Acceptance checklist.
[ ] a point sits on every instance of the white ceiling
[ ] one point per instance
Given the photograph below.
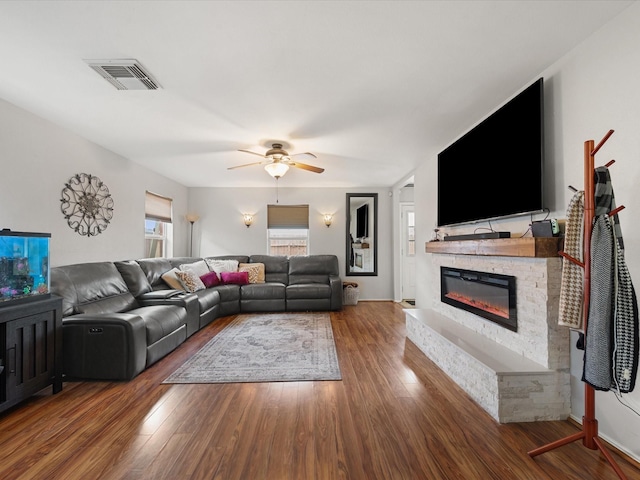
(373, 88)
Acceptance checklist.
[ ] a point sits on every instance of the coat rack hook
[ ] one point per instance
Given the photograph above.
(571, 259)
(616, 210)
(573, 189)
(609, 163)
(605, 138)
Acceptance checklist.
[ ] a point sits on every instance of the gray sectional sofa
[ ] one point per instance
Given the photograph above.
(121, 317)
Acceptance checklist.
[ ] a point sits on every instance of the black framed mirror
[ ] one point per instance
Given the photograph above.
(362, 234)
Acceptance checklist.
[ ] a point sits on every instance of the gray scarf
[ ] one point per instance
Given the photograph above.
(611, 344)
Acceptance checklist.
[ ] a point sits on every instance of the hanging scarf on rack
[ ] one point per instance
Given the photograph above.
(612, 344)
(599, 338)
(604, 201)
(572, 280)
(626, 328)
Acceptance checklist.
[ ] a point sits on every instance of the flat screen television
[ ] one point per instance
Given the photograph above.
(495, 170)
(362, 221)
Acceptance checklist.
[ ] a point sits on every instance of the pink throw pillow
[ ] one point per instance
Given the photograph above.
(237, 278)
(210, 279)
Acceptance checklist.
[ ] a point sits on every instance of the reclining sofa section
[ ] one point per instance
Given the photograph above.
(121, 317)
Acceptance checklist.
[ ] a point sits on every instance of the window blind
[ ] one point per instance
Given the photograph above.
(157, 207)
(288, 216)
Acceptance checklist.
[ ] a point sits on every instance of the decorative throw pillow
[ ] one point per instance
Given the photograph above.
(255, 271)
(236, 278)
(199, 268)
(210, 279)
(171, 279)
(220, 266)
(191, 281)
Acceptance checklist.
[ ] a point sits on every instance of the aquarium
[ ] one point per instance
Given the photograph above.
(24, 266)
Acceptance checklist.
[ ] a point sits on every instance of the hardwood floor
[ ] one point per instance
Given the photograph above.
(394, 415)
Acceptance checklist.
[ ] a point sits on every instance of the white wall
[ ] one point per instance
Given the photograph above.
(38, 158)
(588, 92)
(221, 230)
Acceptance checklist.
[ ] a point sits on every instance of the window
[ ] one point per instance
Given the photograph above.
(288, 229)
(158, 231)
(411, 233)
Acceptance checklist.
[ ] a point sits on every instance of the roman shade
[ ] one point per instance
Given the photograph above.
(157, 207)
(288, 216)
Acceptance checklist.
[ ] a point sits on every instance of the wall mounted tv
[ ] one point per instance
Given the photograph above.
(495, 170)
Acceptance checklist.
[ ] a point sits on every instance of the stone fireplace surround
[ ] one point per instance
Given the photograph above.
(515, 376)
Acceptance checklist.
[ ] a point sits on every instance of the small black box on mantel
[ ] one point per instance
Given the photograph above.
(545, 228)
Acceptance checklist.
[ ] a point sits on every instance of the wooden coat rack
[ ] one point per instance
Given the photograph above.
(589, 433)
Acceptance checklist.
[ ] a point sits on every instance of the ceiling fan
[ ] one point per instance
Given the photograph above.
(277, 161)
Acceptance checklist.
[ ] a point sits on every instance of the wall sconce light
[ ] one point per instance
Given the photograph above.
(328, 218)
(248, 219)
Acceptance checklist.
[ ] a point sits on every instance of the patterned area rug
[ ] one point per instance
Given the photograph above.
(272, 347)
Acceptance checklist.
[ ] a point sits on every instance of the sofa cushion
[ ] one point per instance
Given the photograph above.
(190, 281)
(154, 268)
(255, 271)
(172, 280)
(62, 286)
(120, 303)
(84, 284)
(312, 269)
(276, 267)
(160, 320)
(177, 261)
(199, 268)
(210, 279)
(134, 277)
(208, 298)
(237, 258)
(262, 291)
(220, 266)
(307, 291)
(234, 278)
(228, 293)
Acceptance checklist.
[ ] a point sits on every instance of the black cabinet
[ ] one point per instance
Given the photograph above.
(31, 353)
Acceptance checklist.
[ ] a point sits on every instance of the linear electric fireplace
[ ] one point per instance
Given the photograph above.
(489, 295)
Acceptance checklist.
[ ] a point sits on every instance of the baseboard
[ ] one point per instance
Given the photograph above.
(374, 300)
(610, 444)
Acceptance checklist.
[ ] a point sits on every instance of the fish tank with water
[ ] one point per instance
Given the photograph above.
(24, 266)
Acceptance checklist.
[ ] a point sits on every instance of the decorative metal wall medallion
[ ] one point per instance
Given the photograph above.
(86, 204)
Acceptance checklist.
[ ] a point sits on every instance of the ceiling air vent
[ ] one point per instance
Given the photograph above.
(125, 74)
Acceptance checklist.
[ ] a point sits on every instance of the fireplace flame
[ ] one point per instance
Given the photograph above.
(501, 312)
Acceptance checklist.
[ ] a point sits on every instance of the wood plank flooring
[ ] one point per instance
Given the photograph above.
(394, 415)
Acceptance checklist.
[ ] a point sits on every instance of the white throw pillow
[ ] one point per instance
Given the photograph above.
(199, 268)
(220, 266)
(172, 280)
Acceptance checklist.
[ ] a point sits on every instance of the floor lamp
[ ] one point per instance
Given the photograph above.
(191, 218)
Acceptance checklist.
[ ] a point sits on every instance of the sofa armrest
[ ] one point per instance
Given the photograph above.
(335, 282)
(188, 301)
(160, 295)
(107, 346)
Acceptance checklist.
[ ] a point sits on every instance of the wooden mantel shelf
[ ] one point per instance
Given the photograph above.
(539, 247)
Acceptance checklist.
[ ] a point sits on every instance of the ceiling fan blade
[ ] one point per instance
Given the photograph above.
(252, 153)
(304, 153)
(304, 166)
(246, 165)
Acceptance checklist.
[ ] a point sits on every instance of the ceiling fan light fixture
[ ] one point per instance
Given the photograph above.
(276, 151)
(276, 169)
